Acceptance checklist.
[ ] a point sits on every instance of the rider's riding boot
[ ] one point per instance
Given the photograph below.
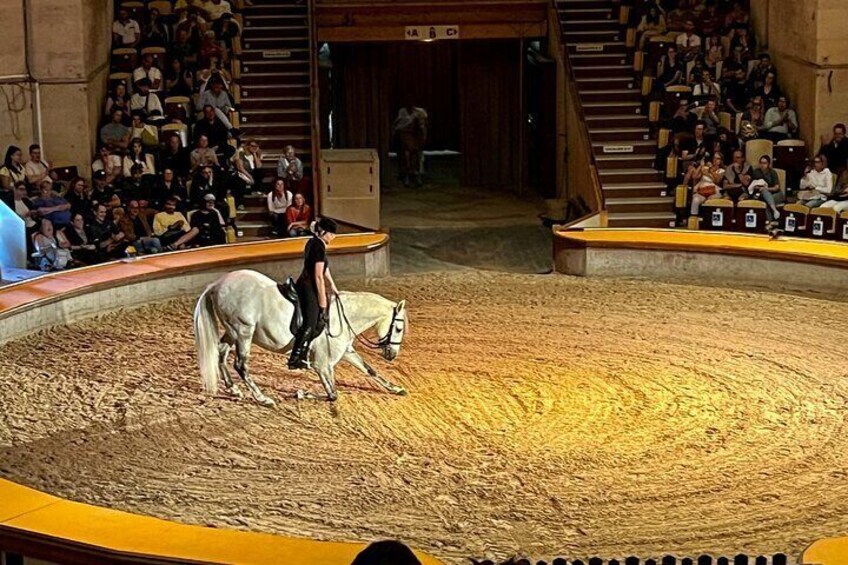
(300, 349)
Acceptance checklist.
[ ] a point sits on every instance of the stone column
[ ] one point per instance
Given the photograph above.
(60, 50)
(809, 47)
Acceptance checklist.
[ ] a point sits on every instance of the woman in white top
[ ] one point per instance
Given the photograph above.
(817, 184)
(23, 207)
(279, 201)
(707, 88)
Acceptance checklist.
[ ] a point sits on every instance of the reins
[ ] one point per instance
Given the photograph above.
(369, 343)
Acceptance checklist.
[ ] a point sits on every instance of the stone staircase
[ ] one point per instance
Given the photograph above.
(634, 192)
(275, 92)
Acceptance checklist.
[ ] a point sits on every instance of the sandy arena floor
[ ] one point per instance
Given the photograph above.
(547, 414)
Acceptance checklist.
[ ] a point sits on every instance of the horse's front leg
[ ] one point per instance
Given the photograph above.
(352, 357)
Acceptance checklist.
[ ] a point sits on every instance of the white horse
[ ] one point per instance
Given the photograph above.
(252, 309)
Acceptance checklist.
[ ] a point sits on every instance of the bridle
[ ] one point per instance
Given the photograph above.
(384, 342)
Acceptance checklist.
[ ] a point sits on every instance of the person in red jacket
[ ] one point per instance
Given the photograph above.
(298, 216)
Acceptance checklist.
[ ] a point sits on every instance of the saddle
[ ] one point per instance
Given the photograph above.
(289, 292)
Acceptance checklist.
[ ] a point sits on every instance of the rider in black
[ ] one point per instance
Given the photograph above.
(313, 289)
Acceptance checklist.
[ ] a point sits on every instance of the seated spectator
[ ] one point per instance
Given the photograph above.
(248, 162)
(183, 50)
(780, 122)
(735, 82)
(82, 246)
(839, 200)
(169, 186)
(13, 169)
(218, 98)
(817, 184)
(155, 32)
(386, 552)
(52, 206)
(150, 72)
(209, 223)
(835, 150)
(713, 54)
(213, 128)
(744, 40)
(710, 118)
(298, 216)
(176, 157)
(203, 155)
(79, 197)
(138, 155)
(125, 31)
(148, 134)
(172, 228)
(652, 24)
(209, 48)
(137, 230)
(136, 187)
(769, 92)
(118, 99)
(25, 208)
(205, 182)
(725, 144)
(52, 250)
(179, 81)
(213, 72)
(145, 101)
(109, 163)
(106, 236)
(671, 69)
(706, 179)
(102, 192)
(689, 42)
(279, 201)
(752, 120)
(696, 147)
(683, 120)
(707, 88)
(226, 30)
(766, 186)
(36, 169)
(115, 133)
(216, 8)
(289, 166)
(737, 177)
(759, 73)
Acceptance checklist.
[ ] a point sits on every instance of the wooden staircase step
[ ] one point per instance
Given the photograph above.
(640, 219)
(630, 147)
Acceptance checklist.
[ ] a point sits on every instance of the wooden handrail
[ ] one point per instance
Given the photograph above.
(576, 127)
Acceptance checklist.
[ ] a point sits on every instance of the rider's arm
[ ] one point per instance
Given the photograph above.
(321, 284)
(333, 288)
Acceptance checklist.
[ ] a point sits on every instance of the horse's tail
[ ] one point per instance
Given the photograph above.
(206, 340)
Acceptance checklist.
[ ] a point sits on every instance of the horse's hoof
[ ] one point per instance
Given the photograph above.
(236, 392)
(332, 397)
(265, 401)
(399, 391)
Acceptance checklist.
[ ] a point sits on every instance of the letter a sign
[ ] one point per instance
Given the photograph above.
(431, 33)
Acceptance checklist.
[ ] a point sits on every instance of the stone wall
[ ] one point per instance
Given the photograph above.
(63, 45)
(809, 46)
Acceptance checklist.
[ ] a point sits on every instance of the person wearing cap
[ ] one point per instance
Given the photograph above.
(52, 206)
(314, 288)
(209, 223)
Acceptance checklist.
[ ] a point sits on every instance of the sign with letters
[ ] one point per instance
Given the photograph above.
(431, 33)
(618, 149)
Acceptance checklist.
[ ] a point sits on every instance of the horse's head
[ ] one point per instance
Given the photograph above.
(391, 330)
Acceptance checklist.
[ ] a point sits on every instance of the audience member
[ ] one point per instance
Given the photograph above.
(145, 101)
(780, 122)
(689, 42)
(298, 216)
(149, 71)
(213, 128)
(109, 163)
(13, 169)
(172, 228)
(52, 206)
(125, 31)
(766, 186)
(52, 249)
(137, 230)
(279, 200)
(737, 177)
(817, 184)
(209, 222)
(670, 70)
(203, 155)
(118, 99)
(169, 186)
(290, 167)
(707, 179)
(105, 235)
(82, 247)
(115, 133)
(25, 208)
(835, 150)
(79, 198)
(176, 157)
(36, 169)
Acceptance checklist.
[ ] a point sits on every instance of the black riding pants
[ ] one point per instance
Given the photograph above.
(307, 293)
